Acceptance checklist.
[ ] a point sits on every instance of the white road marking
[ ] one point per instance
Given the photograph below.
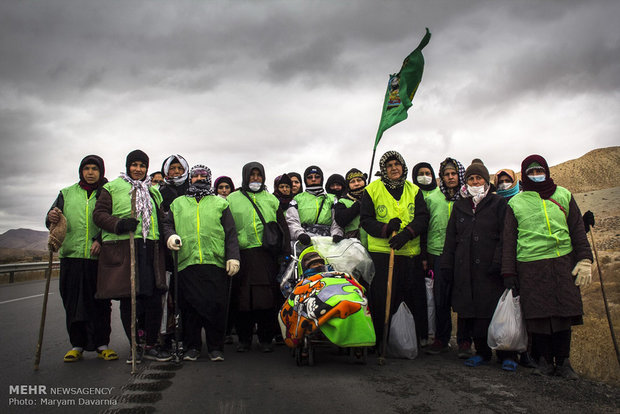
(26, 297)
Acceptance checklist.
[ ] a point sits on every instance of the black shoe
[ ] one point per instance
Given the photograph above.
(139, 354)
(191, 355)
(216, 356)
(566, 371)
(544, 368)
(525, 360)
(228, 339)
(156, 353)
(437, 348)
(243, 347)
(266, 348)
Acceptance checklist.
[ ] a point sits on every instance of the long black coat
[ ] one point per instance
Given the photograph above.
(473, 253)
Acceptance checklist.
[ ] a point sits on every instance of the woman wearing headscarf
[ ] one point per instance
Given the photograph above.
(87, 318)
(296, 183)
(473, 255)
(506, 183)
(256, 293)
(347, 209)
(547, 258)
(395, 205)
(282, 190)
(176, 179)
(224, 186)
(113, 214)
(336, 185)
(201, 228)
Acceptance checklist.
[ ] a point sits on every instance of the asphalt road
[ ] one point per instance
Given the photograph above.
(258, 383)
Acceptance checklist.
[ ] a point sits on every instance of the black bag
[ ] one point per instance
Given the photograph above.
(273, 235)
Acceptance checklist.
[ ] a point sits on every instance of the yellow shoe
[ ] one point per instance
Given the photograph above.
(107, 355)
(73, 356)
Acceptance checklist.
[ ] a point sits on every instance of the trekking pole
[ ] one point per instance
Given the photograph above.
(132, 275)
(177, 313)
(388, 304)
(600, 275)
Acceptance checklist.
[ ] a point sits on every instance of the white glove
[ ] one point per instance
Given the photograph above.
(174, 242)
(583, 273)
(232, 267)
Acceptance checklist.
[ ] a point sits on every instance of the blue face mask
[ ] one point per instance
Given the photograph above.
(537, 178)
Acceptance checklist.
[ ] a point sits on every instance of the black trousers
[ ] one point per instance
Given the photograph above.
(554, 347)
(265, 319)
(477, 328)
(148, 314)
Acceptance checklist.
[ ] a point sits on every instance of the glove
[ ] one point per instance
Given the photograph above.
(337, 238)
(304, 239)
(174, 242)
(398, 241)
(232, 267)
(392, 226)
(583, 272)
(126, 225)
(588, 220)
(512, 282)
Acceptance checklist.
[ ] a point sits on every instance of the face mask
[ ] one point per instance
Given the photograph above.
(537, 178)
(475, 190)
(255, 186)
(504, 186)
(424, 179)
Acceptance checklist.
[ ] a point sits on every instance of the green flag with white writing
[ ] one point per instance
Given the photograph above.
(401, 88)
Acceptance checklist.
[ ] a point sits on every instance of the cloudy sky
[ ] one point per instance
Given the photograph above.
(292, 83)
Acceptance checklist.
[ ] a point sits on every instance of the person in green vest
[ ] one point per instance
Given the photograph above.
(311, 213)
(395, 205)
(87, 318)
(201, 228)
(546, 259)
(347, 209)
(113, 214)
(256, 293)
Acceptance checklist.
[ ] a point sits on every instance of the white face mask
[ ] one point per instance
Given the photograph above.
(474, 191)
(424, 179)
(504, 186)
(255, 186)
(537, 178)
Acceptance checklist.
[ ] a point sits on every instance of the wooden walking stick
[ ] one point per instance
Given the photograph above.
(56, 237)
(132, 275)
(600, 275)
(388, 304)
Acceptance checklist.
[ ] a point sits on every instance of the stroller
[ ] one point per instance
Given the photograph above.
(327, 306)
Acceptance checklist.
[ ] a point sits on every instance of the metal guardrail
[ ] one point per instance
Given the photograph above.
(13, 268)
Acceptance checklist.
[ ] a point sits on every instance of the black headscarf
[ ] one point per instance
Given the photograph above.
(414, 176)
(95, 160)
(247, 171)
(284, 199)
(355, 194)
(137, 155)
(301, 182)
(547, 187)
(389, 183)
(333, 179)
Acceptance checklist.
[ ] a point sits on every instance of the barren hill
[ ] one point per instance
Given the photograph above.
(24, 239)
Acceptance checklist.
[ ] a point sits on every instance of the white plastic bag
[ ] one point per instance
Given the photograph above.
(402, 342)
(347, 256)
(507, 329)
(430, 304)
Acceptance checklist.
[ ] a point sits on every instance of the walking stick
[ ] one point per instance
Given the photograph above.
(132, 275)
(55, 239)
(388, 304)
(600, 275)
(177, 314)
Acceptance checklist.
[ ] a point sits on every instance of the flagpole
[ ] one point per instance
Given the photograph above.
(372, 161)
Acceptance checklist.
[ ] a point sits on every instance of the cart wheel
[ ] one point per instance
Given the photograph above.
(298, 359)
(310, 355)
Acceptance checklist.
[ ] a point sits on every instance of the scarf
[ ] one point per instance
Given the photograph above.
(510, 192)
(284, 199)
(414, 176)
(95, 160)
(461, 173)
(315, 190)
(544, 189)
(200, 188)
(177, 181)
(144, 208)
(475, 198)
(400, 181)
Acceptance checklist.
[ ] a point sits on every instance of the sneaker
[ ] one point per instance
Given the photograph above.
(266, 348)
(155, 353)
(544, 368)
(437, 348)
(566, 371)
(216, 356)
(191, 355)
(465, 351)
(139, 354)
(243, 347)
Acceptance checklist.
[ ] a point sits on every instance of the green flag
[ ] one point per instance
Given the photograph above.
(401, 88)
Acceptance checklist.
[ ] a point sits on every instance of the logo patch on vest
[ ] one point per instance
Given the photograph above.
(382, 211)
(411, 209)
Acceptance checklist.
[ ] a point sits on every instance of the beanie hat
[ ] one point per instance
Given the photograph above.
(478, 168)
(533, 166)
(313, 169)
(309, 259)
(355, 173)
(136, 155)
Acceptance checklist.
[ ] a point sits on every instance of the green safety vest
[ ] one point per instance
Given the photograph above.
(308, 206)
(355, 223)
(199, 226)
(248, 224)
(541, 224)
(78, 210)
(387, 208)
(440, 210)
(120, 191)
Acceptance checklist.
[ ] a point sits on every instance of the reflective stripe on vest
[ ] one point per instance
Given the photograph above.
(248, 224)
(78, 210)
(120, 192)
(199, 226)
(308, 206)
(541, 224)
(387, 208)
